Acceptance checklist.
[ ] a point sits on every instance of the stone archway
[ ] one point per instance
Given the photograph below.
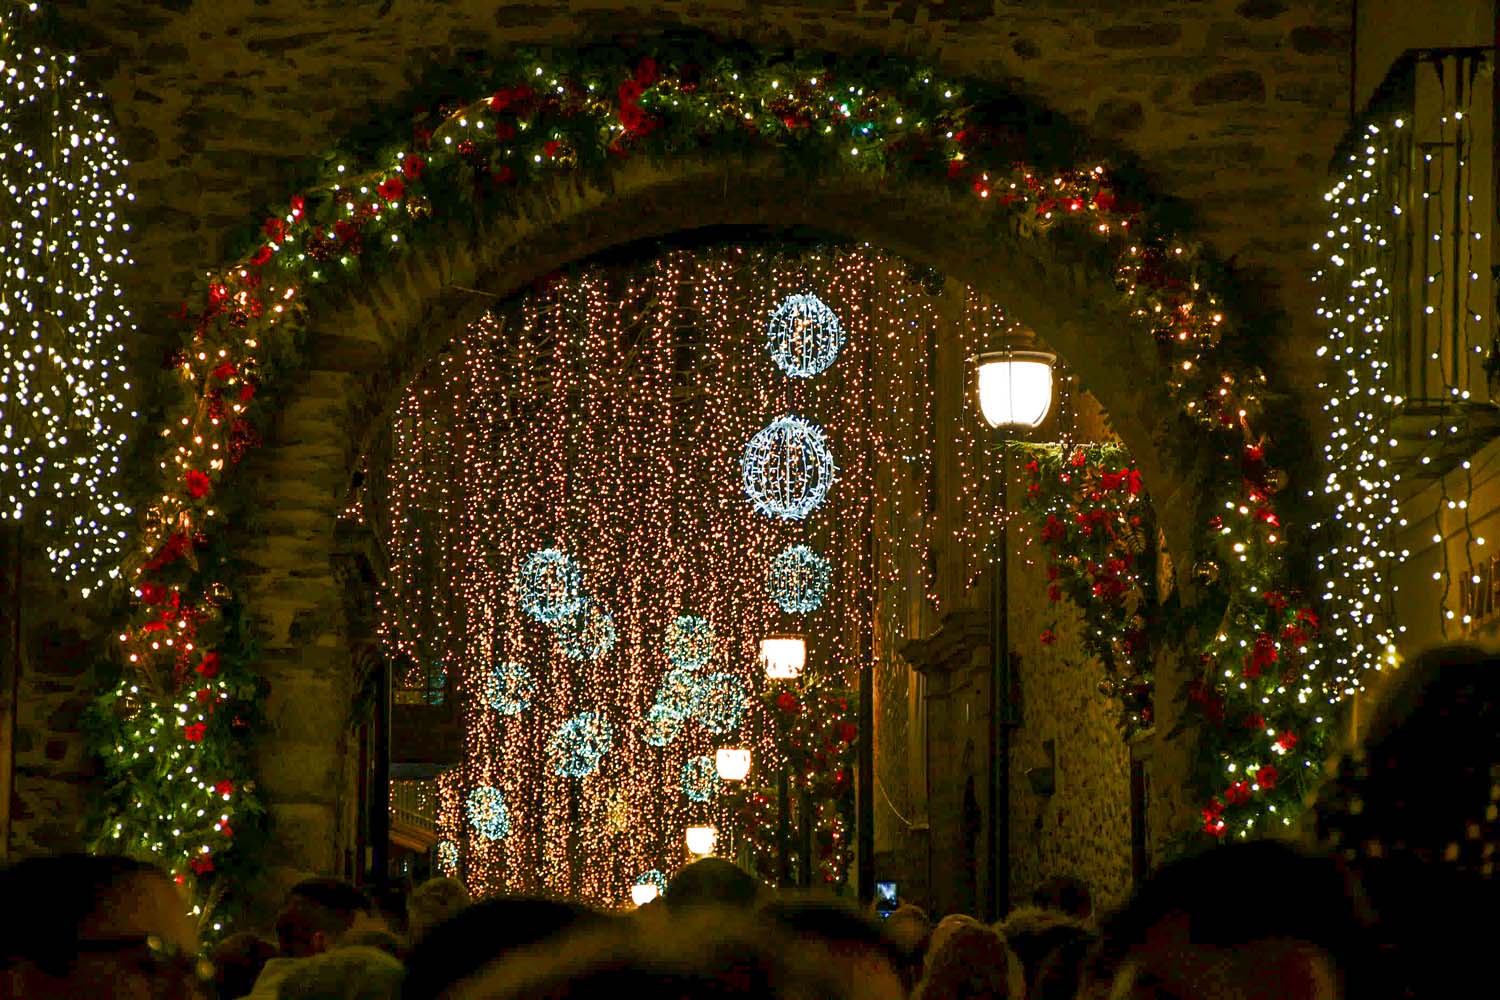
(365, 344)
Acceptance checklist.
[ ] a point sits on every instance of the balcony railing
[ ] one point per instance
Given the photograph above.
(414, 813)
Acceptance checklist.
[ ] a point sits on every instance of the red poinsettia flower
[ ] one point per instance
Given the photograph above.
(247, 391)
(152, 593)
(1262, 655)
(226, 829)
(646, 71)
(1048, 637)
(1307, 617)
(194, 733)
(392, 188)
(275, 229)
(848, 731)
(1267, 776)
(1254, 722)
(1034, 467)
(262, 256)
(198, 484)
(225, 787)
(1054, 529)
(1294, 635)
(224, 371)
(787, 702)
(1286, 741)
(201, 864)
(210, 665)
(551, 148)
(299, 206)
(1111, 480)
(204, 694)
(412, 166)
(1133, 482)
(1237, 793)
(1254, 453)
(345, 231)
(1276, 600)
(1078, 458)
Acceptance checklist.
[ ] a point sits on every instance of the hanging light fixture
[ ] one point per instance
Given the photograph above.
(1014, 387)
(643, 892)
(784, 656)
(733, 763)
(701, 840)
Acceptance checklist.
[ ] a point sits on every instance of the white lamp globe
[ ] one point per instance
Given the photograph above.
(1014, 387)
(784, 656)
(701, 840)
(733, 763)
(642, 893)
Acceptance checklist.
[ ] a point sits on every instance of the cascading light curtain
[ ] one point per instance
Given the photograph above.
(605, 416)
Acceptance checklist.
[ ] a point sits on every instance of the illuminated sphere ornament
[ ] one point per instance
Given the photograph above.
(798, 579)
(588, 633)
(690, 642)
(720, 702)
(700, 779)
(64, 325)
(549, 586)
(804, 336)
(509, 689)
(661, 725)
(487, 813)
(648, 886)
(678, 691)
(579, 744)
(447, 858)
(787, 469)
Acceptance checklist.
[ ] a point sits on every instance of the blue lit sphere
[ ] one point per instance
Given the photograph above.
(720, 702)
(509, 689)
(661, 725)
(804, 336)
(487, 813)
(447, 857)
(588, 633)
(580, 744)
(690, 642)
(787, 469)
(798, 579)
(653, 877)
(700, 779)
(549, 585)
(678, 691)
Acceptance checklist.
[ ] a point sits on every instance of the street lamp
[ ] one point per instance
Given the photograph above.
(643, 892)
(701, 840)
(1013, 389)
(733, 763)
(784, 656)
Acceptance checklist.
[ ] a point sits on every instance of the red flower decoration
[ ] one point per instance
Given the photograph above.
(194, 733)
(275, 229)
(1078, 459)
(1054, 593)
(1286, 741)
(225, 787)
(1254, 453)
(412, 166)
(204, 694)
(1307, 617)
(198, 484)
(1267, 776)
(646, 71)
(848, 731)
(1033, 467)
(550, 148)
(224, 371)
(629, 93)
(787, 702)
(153, 593)
(1048, 637)
(299, 206)
(392, 188)
(1112, 480)
(1237, 793)
(217, 293)
(261, 257)
(202, 864)
(1255, 722)
(247, 391)
(1276, 600)
(1133, 482)
(345, 230)
(1263, 655)
(1054, 530)
(210, 665)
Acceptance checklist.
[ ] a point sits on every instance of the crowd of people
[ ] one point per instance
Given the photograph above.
(1388, 893)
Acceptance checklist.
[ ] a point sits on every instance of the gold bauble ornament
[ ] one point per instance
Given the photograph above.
(1276, 480)
(128, 706)
(419, 207)
(1206, 572)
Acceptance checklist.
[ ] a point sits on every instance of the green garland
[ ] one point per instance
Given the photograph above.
(541, 115)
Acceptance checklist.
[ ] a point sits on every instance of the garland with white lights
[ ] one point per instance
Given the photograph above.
(543, 116)
(63, 320)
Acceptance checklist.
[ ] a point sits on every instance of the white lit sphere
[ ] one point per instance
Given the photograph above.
(788, 469)
(804, 336)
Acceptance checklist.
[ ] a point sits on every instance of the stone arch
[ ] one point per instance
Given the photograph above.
(366, 340)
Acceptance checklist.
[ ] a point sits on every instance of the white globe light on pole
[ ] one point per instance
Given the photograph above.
(733, 763)
(642, 893)
(701, 840)
(784, 656)
(1014, 387)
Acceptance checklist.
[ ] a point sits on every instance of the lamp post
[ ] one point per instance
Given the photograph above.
(1013, 389)
(733, 765)
(784, 657)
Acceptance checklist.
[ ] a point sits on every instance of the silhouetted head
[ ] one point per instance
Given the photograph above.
(713, 882)
(854, 947)
(318, 912)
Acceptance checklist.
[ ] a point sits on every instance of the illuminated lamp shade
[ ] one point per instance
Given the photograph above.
(784, 656)
(1014, 387)
(701, 840)
(733, 763)
(642, 893)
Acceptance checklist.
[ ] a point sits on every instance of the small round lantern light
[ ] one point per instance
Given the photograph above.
(1014, 387)
(701, 840)
(733, 763)
(784, 656)
(643, 892)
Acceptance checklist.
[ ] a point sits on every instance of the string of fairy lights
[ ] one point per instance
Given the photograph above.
(588, 443)
(1389, 353)
(64, 387)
